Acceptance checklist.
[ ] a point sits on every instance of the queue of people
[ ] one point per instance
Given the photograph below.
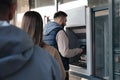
(20, 58)
(32, 23)
(33, 53)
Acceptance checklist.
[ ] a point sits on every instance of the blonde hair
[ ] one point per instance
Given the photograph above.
(32, 23)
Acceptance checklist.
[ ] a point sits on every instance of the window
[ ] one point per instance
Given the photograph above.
(116, 40)
(41, 3)
(95, 3)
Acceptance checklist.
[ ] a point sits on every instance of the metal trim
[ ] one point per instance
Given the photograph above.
(99, 8)
(96, 9)
(80, 75)
(56, 4)
(111, 21)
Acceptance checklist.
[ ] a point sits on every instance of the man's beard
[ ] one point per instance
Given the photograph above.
(63, 25)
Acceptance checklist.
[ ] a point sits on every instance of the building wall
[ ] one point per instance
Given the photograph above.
(23, 5)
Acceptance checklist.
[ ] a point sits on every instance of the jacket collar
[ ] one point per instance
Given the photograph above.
(4, 23)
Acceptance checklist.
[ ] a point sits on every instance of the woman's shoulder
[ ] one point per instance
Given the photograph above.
(51, 49)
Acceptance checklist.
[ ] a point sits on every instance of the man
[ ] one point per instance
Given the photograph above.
(55, 35)
(20, 59)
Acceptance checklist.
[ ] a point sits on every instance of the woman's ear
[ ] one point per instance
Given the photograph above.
(12, 10)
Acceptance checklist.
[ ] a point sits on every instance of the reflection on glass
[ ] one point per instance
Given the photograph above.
(40, 3)
(96, 3)
(100, 37)
(116, 40)
(65, 1)
(75, 3)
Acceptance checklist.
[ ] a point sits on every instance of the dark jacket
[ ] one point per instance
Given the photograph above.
(20, 59)
(50, 32)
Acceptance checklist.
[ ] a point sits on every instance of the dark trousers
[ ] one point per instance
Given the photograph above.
(67, 75)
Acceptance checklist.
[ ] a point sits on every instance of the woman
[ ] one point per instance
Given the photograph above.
(32, 23)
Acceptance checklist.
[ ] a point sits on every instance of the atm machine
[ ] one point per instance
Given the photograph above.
(93, 63)
(78, 30)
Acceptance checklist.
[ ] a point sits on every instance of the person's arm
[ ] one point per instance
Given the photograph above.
(63, 45)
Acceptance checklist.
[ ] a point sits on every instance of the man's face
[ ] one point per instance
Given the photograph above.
(63, 21)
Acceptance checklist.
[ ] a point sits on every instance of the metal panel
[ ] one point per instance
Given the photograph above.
(89, 40)
(111, 21)
(76, 16)
(85, 72)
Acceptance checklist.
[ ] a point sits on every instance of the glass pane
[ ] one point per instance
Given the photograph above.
(46, 8)
(75, 3)
(40, 3)
(65, 1)
(116, 40)
(116, 77)
(96, 3)
(100, 41)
